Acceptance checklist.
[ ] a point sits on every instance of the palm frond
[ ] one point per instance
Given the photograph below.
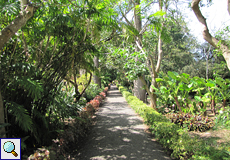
(34, 87)
(20, 114)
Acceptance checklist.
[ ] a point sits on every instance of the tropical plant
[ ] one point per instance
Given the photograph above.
(178, 86)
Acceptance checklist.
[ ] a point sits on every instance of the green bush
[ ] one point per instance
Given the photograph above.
(171, 135)
(92, 91)
(223, 119)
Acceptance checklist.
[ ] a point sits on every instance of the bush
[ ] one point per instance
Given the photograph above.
(92, 91)
(223, 119)
(103, 95)
(73, 130)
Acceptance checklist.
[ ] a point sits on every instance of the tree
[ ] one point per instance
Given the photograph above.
(154, 70)
(37, 59)
(139, 92)
(96, 78)
(218, 44)
(27, 11)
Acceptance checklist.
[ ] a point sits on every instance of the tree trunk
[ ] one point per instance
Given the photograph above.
(152, 96)
(213, 104)
(224, 103)
(2, 117)
(178, 104)
(153, 101)
(206, 34)
(96, 78)
(14, 26)
(139, 92)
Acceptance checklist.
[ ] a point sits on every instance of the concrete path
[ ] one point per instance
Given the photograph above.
(119, 133)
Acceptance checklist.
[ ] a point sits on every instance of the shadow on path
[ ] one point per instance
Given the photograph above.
(119, 133)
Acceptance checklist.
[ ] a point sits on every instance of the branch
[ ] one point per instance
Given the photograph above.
(153, 67)
(206, 35)
(90, 78)
(144, 28)
(151, 60)
(160, 54)
(69, 80)
(17, 23)
(138, 45)
(127, 21)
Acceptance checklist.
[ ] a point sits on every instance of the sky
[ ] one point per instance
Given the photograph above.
(216, 15)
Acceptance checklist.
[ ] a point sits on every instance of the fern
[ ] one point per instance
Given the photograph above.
(23, 144)
(37, 114)
(21, 115)
(34, 87)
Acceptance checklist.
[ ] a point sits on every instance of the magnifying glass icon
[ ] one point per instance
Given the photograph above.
(9, 147)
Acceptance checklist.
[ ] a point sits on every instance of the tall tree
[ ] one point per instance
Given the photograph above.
(27, 11)
(216, 43)
(154, 70)
(96, 77)
(139, 92)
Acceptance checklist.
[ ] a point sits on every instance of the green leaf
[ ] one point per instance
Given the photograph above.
(155, 88)
(159, 80)
(197, 98)
(173, 75)
(159, 13)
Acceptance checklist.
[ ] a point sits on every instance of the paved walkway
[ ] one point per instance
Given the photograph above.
(119, 133)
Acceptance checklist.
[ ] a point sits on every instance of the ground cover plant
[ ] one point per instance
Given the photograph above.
(172, 136)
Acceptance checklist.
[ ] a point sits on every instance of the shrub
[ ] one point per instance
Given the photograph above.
(103, 95)
(92, 91)
(95, 103)
(99, 98)
(223, 119)
(106, 90)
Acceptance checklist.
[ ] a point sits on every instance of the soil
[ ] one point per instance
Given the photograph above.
(217, 137)
(119, 133)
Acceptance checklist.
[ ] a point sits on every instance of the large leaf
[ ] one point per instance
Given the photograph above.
(159, 80)
(21, 114)
(173, 75)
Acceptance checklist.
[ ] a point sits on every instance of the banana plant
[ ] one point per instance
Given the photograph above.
(204, 99)
(212, 91)
(223, 87)
(165, 97)
(199, 87)
(177, 85)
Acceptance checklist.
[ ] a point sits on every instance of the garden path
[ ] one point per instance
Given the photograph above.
(119, 133)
